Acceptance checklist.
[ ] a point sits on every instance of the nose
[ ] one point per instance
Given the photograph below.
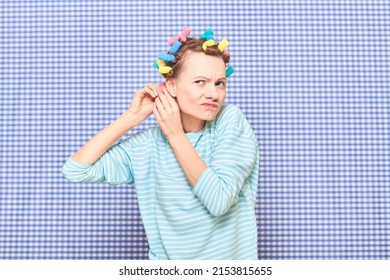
(211, 92)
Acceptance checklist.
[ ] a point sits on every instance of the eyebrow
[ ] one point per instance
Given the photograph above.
(203, 77)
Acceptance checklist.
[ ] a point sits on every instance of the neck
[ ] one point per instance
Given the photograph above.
(191, 124)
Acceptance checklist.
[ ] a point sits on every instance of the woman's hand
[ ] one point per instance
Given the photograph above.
(167, 113)
(141, 107)
(143, 102)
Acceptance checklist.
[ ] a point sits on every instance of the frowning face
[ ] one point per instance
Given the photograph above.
(200, 89)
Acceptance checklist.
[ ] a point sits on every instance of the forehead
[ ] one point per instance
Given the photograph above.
(200, 64)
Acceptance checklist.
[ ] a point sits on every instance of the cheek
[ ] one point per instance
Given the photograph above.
(187, 97)
(183, 101)
(222, 96)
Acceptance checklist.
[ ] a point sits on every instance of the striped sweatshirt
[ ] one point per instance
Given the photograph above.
(213, 220)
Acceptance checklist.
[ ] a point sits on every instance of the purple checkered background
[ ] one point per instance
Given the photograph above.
(312, 77)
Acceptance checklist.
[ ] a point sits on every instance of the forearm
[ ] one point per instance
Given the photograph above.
(193, 166)
(102, 141)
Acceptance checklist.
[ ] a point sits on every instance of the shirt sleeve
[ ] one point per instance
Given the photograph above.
(235, 157)
(113, 167)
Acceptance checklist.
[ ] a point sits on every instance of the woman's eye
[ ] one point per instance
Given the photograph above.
(199, 82)
(220, 84)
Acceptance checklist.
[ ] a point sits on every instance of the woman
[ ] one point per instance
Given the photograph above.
(196, 173)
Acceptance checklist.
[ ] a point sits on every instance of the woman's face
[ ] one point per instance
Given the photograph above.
(200, 89)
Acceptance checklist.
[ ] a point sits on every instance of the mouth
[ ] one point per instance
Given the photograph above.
(210, 105)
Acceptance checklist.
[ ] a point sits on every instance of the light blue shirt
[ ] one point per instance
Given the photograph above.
(213, 220)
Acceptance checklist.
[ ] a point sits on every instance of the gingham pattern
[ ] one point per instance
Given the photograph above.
(312, 77)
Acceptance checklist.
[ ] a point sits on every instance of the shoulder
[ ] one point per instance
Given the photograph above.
(231, 117)
(229, 114)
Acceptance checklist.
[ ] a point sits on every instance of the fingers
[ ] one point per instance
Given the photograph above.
(159, 103)
(166, 112)
(167, 97)
(156, 90)
(147, 90)
(162, 98)
(151, 90)
(156, 113)
(160, 87)
(164, 102)
(162, 106)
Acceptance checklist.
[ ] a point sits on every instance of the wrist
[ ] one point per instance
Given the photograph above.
(177, 139)
(131, 119)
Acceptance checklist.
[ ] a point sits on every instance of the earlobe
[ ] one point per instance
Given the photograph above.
(171, 86)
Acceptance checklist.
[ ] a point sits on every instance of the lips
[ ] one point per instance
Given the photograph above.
(210, 105)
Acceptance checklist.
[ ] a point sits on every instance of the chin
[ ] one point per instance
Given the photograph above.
(201, 115)
(209, 116)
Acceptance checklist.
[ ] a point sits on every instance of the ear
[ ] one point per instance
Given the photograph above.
(171, 86)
